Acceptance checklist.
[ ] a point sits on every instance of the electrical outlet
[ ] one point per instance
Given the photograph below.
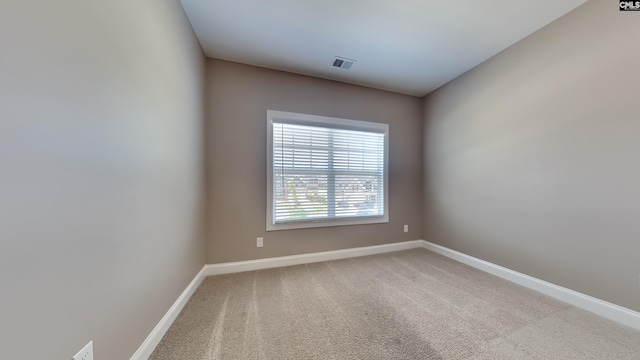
(259, 242)
(406, 228)
(86, 353)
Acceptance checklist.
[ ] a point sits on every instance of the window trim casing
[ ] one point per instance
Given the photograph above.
(329, 122)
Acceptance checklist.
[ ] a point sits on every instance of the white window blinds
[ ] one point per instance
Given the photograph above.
(321, 172)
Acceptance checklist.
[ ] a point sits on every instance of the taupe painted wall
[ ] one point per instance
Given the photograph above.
(238, 98)
(101, 164)
(533, 158)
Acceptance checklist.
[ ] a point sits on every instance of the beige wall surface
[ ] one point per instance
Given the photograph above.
(238, 98)
(532, 159)
(101, 164)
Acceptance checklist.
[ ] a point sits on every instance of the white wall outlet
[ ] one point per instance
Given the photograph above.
(86, 353)
(406, 228)
(259, 242)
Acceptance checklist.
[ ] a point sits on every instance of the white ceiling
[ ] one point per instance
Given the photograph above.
(407, 46)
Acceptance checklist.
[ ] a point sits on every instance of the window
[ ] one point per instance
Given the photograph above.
(325, 171)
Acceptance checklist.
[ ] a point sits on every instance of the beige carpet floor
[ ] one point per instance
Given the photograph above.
(411, 304)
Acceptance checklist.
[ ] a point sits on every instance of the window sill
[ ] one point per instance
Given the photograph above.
(327, 223)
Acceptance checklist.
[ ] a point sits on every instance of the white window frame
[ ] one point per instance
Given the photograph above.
(323, 121)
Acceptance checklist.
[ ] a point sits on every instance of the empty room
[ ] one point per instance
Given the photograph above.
(319, 179)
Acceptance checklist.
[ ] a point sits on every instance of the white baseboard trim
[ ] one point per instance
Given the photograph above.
(150, 343)
(603, 308)
(274, 262)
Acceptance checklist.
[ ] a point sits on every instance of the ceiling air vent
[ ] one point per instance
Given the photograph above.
(343, 63)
